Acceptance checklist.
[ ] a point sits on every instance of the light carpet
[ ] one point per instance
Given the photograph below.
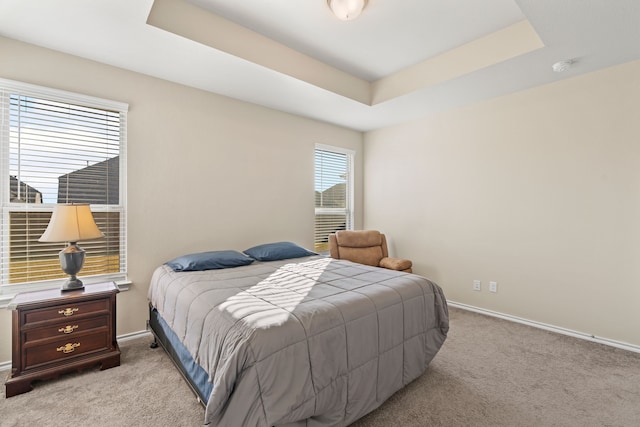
(490, 372)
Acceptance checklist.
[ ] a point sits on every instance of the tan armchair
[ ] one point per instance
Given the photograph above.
(365, 247)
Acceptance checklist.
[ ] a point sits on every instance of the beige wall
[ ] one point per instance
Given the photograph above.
(205, 172)
(539, 191)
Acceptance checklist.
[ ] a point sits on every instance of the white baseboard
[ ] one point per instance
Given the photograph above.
(133, 336)
(121, 338)
(552, 328)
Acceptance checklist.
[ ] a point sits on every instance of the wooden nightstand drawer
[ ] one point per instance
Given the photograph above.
(55, 332)
(65, 328)
(65, 348)
(65, 311)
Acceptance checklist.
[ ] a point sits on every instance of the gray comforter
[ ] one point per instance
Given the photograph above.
(302, 342)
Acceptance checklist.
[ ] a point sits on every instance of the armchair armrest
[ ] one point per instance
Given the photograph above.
(398, 264)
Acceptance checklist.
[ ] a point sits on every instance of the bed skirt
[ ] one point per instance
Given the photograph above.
(193, 373)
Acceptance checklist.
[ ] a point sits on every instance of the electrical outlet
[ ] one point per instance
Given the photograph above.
(476, 285)
(493, 286)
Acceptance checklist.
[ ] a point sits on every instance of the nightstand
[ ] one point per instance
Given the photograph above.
(55, 332)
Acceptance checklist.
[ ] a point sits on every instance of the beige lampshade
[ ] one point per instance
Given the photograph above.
(71, 223)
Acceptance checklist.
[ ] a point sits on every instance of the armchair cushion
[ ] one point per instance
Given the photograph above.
(363, 247)
(396, 264)
(368, 256)
(359, 239)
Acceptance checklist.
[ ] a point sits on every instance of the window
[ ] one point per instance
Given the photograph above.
(333, 192)
(59, 147)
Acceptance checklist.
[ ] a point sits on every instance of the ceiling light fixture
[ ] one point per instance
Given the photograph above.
(561, 66)
(346, 10)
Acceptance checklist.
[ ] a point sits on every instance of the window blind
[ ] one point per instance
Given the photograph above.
(60, 148)
(333, 190)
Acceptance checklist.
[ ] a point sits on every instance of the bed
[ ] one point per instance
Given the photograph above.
(305, 341)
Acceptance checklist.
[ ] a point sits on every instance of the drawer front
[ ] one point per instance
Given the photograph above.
(65, 311)
(65, 328)
(65, 348)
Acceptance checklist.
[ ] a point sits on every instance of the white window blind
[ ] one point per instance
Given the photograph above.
(333, 193)
(59, 147)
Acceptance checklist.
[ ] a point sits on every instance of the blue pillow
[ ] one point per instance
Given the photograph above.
(277, 251)
(213, 260)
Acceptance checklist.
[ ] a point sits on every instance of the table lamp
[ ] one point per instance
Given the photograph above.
(71, 223)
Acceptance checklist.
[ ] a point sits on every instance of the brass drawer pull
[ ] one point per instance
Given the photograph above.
(68, 329)
(68, 348)
(68, 311)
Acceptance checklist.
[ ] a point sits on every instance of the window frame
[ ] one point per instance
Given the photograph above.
(348, 211)
(7, 87)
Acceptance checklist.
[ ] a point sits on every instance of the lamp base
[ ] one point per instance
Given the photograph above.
(71, 261)
(72, 284)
